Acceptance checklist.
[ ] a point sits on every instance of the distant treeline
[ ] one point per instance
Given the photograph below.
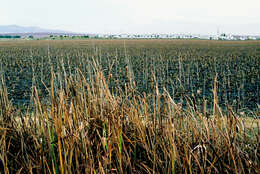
(9, 37)
(66, 36)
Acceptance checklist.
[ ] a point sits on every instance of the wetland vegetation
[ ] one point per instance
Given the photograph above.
(129, 106)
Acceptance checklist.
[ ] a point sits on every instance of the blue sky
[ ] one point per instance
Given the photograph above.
(135, 16)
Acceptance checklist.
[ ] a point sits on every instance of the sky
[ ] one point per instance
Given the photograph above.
(136, 16)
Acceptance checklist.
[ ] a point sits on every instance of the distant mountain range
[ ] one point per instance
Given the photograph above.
(5, 29)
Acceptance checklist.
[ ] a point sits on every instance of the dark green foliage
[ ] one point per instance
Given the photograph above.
(9, 37)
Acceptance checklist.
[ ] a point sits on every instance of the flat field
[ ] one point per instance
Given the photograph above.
(129, 106)
(183, 67)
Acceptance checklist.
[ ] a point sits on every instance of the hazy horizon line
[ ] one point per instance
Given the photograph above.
(63, 30)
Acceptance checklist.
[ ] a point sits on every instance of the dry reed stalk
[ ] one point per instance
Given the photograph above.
(89, 130)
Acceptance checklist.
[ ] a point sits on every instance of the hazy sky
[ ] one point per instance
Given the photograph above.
(135, 16)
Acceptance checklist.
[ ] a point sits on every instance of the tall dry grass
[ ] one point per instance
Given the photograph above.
(86, 128)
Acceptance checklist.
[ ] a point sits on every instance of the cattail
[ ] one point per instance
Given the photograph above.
(126, 70)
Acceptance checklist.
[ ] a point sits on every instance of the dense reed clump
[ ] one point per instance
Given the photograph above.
(87, 127)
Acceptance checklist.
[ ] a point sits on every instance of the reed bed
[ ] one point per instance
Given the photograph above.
(87, 129)
(183, 67)
(88, 121)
